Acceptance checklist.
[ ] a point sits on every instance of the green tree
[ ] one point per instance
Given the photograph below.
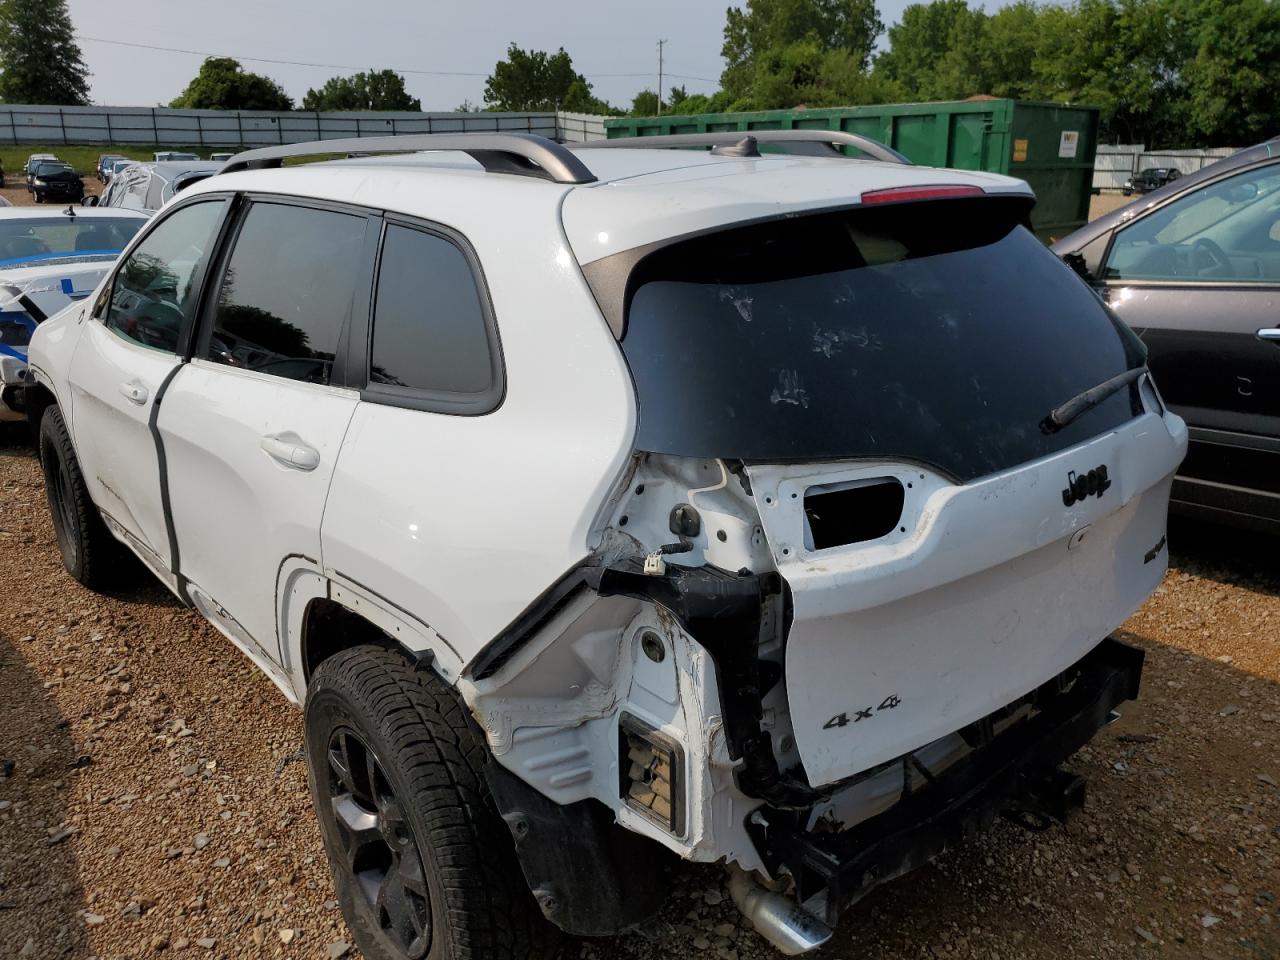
(918, 42)
(374, 90)
(39, 59)
(222, 84)
(771, 32)
(1230, 75)
(645, 104)
(535, 80)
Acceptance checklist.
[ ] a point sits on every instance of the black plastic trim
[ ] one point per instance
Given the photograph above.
(590, 876)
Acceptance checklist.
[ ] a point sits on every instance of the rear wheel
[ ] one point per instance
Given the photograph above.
(424, 866)
(89, 552)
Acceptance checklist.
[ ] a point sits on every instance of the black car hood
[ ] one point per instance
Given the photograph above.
(1073, 242)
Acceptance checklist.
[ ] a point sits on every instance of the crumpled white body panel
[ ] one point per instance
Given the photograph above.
(985, 593)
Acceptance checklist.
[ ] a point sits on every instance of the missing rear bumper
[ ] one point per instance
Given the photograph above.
(1014, 773)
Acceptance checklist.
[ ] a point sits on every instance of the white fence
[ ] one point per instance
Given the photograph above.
(1115, 163)
(23, 124)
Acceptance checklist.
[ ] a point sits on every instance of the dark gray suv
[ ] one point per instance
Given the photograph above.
(1194, 269)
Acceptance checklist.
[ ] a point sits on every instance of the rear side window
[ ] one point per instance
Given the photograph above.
(432, 339)
(284, 304)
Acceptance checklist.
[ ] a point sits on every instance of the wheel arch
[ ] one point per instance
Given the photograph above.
(321, 614)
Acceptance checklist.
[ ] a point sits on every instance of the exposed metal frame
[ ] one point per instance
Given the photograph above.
(523, 154)
(832, 139)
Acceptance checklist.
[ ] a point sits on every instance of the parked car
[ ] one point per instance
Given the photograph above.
(2, 181)
(1194, 268)
(34, 161)
(48, 260)
(166, 156)
(105, 162)
(220, 157)
(1150, 179)
(607, 506)
(149, 186)
(56, 181)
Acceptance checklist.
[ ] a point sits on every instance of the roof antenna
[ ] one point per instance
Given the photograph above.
(746, 147)
(70, 211)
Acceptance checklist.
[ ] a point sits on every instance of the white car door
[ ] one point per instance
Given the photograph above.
(131, 347)
(251, 427)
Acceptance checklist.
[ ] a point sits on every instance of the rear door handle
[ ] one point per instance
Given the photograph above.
(1270, 333)
(290, 451)
(134, 392)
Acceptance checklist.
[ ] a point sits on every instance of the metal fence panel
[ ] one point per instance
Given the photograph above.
(66, 126)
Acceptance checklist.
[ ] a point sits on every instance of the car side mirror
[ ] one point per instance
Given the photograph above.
(1076, 262)
(89, 201)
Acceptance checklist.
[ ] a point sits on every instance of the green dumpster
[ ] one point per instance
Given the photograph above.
(1050, 145)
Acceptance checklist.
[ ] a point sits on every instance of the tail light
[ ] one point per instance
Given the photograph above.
(651, 779)
(940, 191)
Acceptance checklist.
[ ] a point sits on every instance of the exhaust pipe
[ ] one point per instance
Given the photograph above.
(784, 923)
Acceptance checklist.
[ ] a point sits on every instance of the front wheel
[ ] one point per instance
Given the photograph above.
(424, 866)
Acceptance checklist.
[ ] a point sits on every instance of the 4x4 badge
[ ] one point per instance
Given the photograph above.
(1091, 484)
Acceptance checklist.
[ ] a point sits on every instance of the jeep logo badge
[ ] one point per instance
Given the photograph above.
(1091, 484)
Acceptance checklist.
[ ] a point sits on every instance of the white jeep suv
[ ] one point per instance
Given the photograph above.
(609, 505)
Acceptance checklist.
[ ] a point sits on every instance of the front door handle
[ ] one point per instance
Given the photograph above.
(134, 392)
(1270, 333)
(290, 451)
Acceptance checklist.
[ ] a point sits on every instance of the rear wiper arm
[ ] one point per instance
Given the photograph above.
(1059, 417)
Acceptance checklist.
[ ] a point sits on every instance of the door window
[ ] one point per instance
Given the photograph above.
(135, 191)
(1222, 232)
(430, 328)
(155, 289)
(284, 304)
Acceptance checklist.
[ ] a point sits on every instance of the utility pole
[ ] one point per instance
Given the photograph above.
(660, 43)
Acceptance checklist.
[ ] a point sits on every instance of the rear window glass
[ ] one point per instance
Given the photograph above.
(23, 241)
(429, 329)
(939, 332)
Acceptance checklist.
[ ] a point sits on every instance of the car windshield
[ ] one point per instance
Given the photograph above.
(31, 241)
(940, 332)
(49, 169)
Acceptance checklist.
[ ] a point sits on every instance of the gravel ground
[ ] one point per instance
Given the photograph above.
(155, 802)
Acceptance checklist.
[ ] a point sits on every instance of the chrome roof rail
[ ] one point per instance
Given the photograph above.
(829, 142)
(524, 154)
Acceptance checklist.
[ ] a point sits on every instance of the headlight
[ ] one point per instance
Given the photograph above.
(38, 182)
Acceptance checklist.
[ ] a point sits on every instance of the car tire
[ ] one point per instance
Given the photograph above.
(89, 552)
(424, 866)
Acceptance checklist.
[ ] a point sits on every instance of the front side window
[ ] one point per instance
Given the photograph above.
(286, 295)
(429, 326)
(1222, 232)
(154, 292)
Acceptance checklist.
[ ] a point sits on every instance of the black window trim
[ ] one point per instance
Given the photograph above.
(342, 374)
(201, 273)
(421, 398)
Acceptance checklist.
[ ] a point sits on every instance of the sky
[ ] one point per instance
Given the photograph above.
(613, 43)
